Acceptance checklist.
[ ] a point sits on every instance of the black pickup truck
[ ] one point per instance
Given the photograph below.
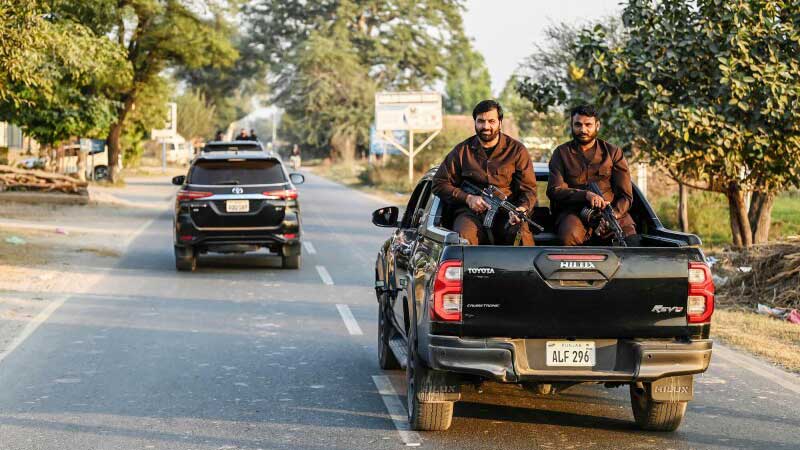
(546, 317)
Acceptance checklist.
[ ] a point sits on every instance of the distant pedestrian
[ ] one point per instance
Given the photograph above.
(219, 136)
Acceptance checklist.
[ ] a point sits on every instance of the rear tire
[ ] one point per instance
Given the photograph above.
(423, 416)
(185, 259)
(100, 173)
(291, 262)
(386, 357)
(652, 415)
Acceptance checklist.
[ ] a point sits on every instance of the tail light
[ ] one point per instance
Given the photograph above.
(283, 194)
(447, 292)
(192, 195)
(700, 304)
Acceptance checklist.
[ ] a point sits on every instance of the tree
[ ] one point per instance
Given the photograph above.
(156, 35)
(386, 44)
(196, 117)
(708, 89)
(329, 91)
(467, 79)
(230, 90)
(551, 125)
(61, 79)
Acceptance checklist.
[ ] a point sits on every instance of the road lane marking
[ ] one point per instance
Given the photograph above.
(309, 248)
(349, 320)
(775, 375)
(32, 326)
(397, 412)
(326, 277)
(48, 311)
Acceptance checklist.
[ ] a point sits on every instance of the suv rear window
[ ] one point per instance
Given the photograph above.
(228, 172)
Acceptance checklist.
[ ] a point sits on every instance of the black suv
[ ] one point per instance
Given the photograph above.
(237, 202)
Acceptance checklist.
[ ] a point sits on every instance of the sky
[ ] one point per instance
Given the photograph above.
(505, 31)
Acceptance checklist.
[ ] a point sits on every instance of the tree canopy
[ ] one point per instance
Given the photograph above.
(59, 78)
(383, 44)
(708, 89)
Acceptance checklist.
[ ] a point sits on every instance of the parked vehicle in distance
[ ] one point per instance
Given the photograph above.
(237, 202)
(546, 317)
(96, 159)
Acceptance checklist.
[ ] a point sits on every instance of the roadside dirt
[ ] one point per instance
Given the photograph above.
(50, 251)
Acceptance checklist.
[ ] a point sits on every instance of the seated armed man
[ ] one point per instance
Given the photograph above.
(490, 157)
(574, 165)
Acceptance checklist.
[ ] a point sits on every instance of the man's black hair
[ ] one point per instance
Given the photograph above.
(486, 106)
(583, 110)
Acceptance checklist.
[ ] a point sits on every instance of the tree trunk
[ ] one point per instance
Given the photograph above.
(344, 147)
(82, 165)
(740, 224)
(683, 207)
(760, 215)
(114, 135)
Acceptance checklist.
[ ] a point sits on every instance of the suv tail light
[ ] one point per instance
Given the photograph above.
(192, 195)
(447, 292)
(283, 194)
(700, 304)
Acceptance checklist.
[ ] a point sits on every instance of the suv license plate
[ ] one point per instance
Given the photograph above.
(237, 206)
(570, 353)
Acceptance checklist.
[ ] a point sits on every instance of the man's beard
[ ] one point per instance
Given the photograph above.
(487, 137)
(585, 138)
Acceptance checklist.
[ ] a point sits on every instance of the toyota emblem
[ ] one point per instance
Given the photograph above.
(237, 190)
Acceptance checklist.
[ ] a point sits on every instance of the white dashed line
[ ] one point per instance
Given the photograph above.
(397, 411)
(309, 248)
(349, 320)
(326, 277)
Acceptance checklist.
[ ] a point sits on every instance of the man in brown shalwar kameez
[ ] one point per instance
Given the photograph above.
(577, 163)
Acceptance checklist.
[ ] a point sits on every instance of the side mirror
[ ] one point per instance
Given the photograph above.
(386, 217)
(179, 180)
(297, 178)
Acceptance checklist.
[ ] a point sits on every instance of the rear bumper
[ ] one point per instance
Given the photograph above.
(285, 235)
(617, 360)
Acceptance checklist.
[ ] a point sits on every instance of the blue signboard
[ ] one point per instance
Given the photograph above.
(380, 146)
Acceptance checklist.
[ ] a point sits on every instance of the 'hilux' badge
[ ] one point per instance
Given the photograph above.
(577, 265)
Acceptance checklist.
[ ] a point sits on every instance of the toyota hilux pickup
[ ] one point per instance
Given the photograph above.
(546, 317)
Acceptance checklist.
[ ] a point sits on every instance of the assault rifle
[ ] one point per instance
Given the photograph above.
(608, 219)
(497, 201)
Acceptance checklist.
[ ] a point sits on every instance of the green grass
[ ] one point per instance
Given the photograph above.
(786, 216)
(709, 218)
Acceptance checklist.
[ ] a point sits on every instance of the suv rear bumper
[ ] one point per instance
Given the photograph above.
(617, 360)
(286, 235)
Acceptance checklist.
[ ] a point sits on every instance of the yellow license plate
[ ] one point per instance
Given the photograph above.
(237, 206)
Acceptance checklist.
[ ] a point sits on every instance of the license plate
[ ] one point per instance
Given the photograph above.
(237, 206)
(570, 353)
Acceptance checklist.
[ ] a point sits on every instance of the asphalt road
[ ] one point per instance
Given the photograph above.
(244, 355)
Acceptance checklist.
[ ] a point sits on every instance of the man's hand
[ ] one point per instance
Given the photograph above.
(477, 204)
(512, 219)
(595, 201)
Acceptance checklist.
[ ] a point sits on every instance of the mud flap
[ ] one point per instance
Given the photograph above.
(291, 249)
(438, 386)
(672, 389)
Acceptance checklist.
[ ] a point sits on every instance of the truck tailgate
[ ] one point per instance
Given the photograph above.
(586, 292)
